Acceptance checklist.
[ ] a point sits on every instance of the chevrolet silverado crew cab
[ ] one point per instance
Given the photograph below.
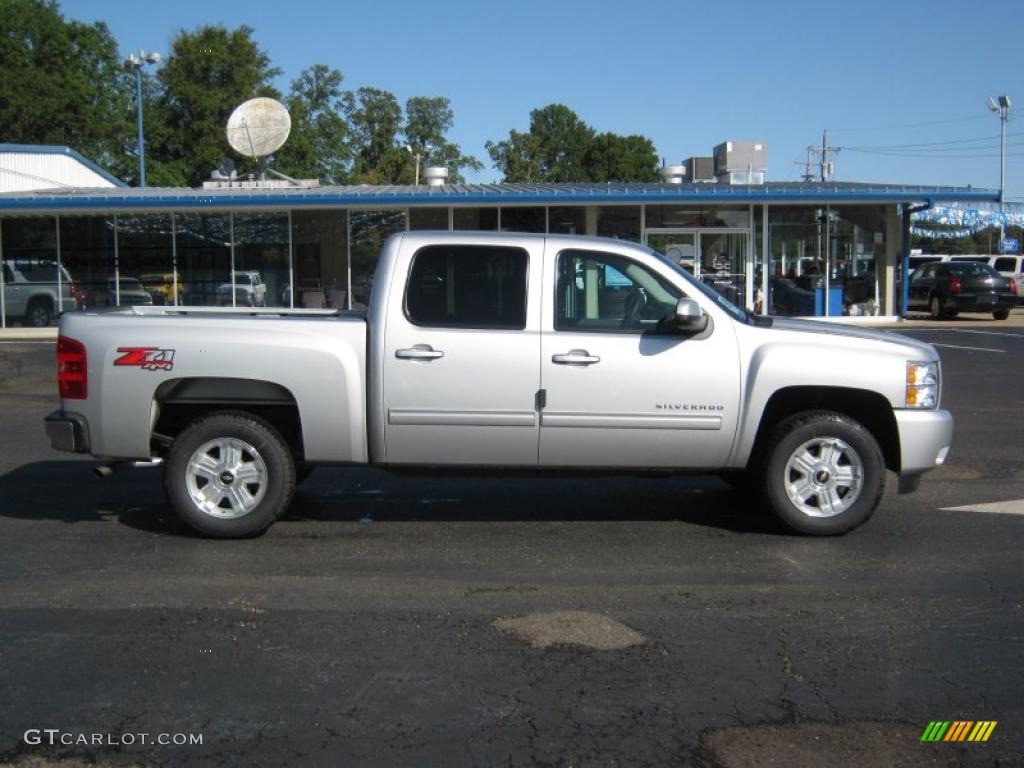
(502, 351)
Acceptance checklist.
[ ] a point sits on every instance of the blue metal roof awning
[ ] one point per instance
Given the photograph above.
(155, 198)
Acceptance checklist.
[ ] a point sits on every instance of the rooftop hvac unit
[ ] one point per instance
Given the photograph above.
(700, 169)
(741, 162)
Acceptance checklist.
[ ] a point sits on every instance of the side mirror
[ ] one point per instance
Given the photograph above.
(688, 317)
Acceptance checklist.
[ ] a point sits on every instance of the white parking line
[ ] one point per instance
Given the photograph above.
(1014, 507)
(973, 349)
(961, 330)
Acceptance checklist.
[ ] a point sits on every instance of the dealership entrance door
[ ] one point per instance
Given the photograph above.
(716, 256)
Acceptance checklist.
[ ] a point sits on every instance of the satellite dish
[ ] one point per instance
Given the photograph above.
(258, 127)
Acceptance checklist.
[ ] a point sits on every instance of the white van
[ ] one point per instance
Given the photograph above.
(1010, 266)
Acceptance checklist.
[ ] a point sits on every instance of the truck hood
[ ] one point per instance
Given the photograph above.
(926, 350)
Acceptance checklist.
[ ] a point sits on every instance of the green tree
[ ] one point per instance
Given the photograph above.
(375, 122)
(318, 146)
(61, 82)
(554, 150)
(611, 157)
(208, 73)
(427, 122)
(560, 147)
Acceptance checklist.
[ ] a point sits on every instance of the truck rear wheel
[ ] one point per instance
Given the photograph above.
(229, 475)
(822, 473)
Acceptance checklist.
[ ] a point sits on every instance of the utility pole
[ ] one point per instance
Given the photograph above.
(826, 168)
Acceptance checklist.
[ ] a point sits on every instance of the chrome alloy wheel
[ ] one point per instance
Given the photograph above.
(824, 477)
(226, 478)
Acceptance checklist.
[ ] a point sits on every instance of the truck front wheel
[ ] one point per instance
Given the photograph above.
(822, 473)
(229, 475)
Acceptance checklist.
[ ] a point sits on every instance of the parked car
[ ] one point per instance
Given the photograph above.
(945, 288)
(36, 291)
(162, 287)
(249, 290)
(504, 352)
(1013, 267)
(125, 292)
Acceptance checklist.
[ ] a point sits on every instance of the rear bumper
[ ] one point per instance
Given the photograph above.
(982, 303)
(67, 432)
(925, 439)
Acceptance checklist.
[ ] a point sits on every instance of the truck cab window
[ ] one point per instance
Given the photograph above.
(605, 292)
(468, 286)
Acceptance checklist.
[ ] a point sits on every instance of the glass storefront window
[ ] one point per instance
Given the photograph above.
(87, 253)
(36, 289)
(145, 261)
(484, 219)
(262, 265)
(320, 241)
(523, 219)
(825, 260)
(619, 221)
(368, 231)
(204, 258)
(428, 218)
(567, 220)
(688, 217)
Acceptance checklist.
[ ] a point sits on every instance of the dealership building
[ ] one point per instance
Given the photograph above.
(791, 248)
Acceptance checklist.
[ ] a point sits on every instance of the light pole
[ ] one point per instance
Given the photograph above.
(134, 63)
(1001, 107)
(419, 156)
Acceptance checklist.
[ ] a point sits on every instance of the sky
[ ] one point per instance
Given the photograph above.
(899, 86)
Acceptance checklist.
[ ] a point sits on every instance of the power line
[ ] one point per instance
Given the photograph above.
(914, 145)
(913, 125)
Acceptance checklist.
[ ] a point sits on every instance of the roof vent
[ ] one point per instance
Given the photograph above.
(436, 175)
(673, 174)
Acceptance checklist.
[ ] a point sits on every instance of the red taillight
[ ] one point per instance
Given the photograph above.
(72, 372)
(1013, 285)
(954, 285)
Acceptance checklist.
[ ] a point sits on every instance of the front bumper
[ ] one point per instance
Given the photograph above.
(67, 432)
(925, 439)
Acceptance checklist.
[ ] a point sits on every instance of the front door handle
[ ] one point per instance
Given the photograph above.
(575, 357)
(419, 352)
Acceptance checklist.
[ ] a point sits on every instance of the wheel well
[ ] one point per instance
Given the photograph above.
(179, 402)
(41, 298)
(869, 408)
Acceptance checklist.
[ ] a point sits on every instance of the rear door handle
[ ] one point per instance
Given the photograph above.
(575, 357)
(419, 352)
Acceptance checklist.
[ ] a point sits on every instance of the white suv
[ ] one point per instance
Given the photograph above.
(36, 291)
(1011, 266)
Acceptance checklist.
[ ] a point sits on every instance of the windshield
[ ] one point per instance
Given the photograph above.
(711, 293)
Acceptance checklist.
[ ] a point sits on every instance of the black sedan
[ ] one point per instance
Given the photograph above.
(944, 288)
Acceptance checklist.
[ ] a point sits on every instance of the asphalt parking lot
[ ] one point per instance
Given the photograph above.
(562, 622)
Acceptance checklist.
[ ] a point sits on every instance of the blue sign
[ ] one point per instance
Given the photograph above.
(1011, 245)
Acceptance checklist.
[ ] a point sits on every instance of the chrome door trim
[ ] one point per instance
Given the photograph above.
(419, 418)
(630, 421)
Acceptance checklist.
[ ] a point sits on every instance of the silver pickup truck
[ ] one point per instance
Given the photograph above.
(501, 350)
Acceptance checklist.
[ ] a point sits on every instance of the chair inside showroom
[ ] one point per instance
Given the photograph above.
(313, 299)
(336, 299)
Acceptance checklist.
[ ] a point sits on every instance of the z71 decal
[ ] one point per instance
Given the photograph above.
(146, 358)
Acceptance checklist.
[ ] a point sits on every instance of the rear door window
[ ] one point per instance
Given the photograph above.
(468, 286)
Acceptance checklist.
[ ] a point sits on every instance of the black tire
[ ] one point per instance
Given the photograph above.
(38, 314)
(251, 437)
(935, 308)
(1001, 314)
(774, 475)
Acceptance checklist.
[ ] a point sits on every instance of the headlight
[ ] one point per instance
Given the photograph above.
(922, 384)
